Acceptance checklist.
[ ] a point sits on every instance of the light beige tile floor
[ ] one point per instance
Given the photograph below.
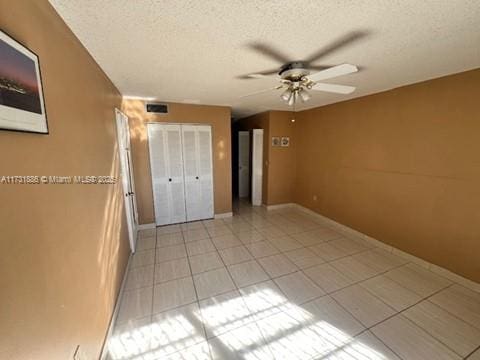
(282, 285)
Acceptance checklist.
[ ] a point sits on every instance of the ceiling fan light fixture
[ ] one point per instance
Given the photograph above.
(304, 95)
(286, 95)
(292, 98)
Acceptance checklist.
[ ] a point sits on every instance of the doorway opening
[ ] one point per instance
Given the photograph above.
(248, 166)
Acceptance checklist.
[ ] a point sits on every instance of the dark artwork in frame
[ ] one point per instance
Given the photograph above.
(22, 106)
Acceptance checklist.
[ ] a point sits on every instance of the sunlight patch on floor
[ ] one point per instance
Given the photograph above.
(270, 324)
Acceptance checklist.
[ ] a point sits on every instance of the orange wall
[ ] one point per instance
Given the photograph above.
(401, 166)
(216, 116)
(279, 162)
(64, 247)
(282, 160)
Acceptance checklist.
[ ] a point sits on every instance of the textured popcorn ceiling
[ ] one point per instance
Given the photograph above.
(192, 51)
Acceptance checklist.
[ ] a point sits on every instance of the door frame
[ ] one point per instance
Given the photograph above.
(126, 176)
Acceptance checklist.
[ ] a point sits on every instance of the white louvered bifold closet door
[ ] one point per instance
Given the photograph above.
(204, 136)
(197, 153)
(166, 162)
(176, 180)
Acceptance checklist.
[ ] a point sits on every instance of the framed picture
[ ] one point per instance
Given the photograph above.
(275, 141)
(22, 106)
(285, 141)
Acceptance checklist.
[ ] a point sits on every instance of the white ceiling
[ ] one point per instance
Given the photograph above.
(193, 51)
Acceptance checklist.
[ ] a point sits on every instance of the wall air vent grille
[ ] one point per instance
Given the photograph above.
(156, 108)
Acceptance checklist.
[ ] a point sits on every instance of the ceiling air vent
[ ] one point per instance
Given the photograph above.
(157, 108)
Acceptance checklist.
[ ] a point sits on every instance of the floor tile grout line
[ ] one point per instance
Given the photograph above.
(229, 273)
(352, 340)
(367, 328)
(345, 287)
(354, 283)
(153, 286)
(276, 277)
(382, 273)
(398, 313)
(425, 330)
(473, 352)
(450, 313)
(199, 308)
(413, 291)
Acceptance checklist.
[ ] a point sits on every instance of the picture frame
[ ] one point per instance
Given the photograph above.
(285, 142)
(275, 140)
(22, 104)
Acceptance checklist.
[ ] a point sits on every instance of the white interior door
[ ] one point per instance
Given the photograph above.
(243, 164)
(257, 166)
(126, 171)
(197, 153)
(166, 163)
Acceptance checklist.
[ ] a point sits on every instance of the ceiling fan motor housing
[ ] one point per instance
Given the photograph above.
(294, 71)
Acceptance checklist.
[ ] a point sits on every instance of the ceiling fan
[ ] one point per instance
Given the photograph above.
(296, 77)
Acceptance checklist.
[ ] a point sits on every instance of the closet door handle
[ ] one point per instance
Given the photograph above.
(196, 177)
(170, 179)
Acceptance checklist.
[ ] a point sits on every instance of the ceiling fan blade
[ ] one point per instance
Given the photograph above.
(318, 67)
(256, 76)
(338, 89)
(332, 72)
(262, 91)
(259, 75)
(336, 45)
(269, 51)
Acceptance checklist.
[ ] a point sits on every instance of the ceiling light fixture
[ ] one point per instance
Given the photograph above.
(286, 95)
(304, 95)
(292, 93)
(293, 98)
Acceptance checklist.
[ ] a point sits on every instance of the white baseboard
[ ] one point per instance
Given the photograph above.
(223, 215)
(104, 352)
(347, 231)
(279, 206)
(146, 226)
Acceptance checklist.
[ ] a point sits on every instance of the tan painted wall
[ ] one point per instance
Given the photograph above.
(216, 116)
(282, 160)
(402, 166)
(279, 162)
(64, 247)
